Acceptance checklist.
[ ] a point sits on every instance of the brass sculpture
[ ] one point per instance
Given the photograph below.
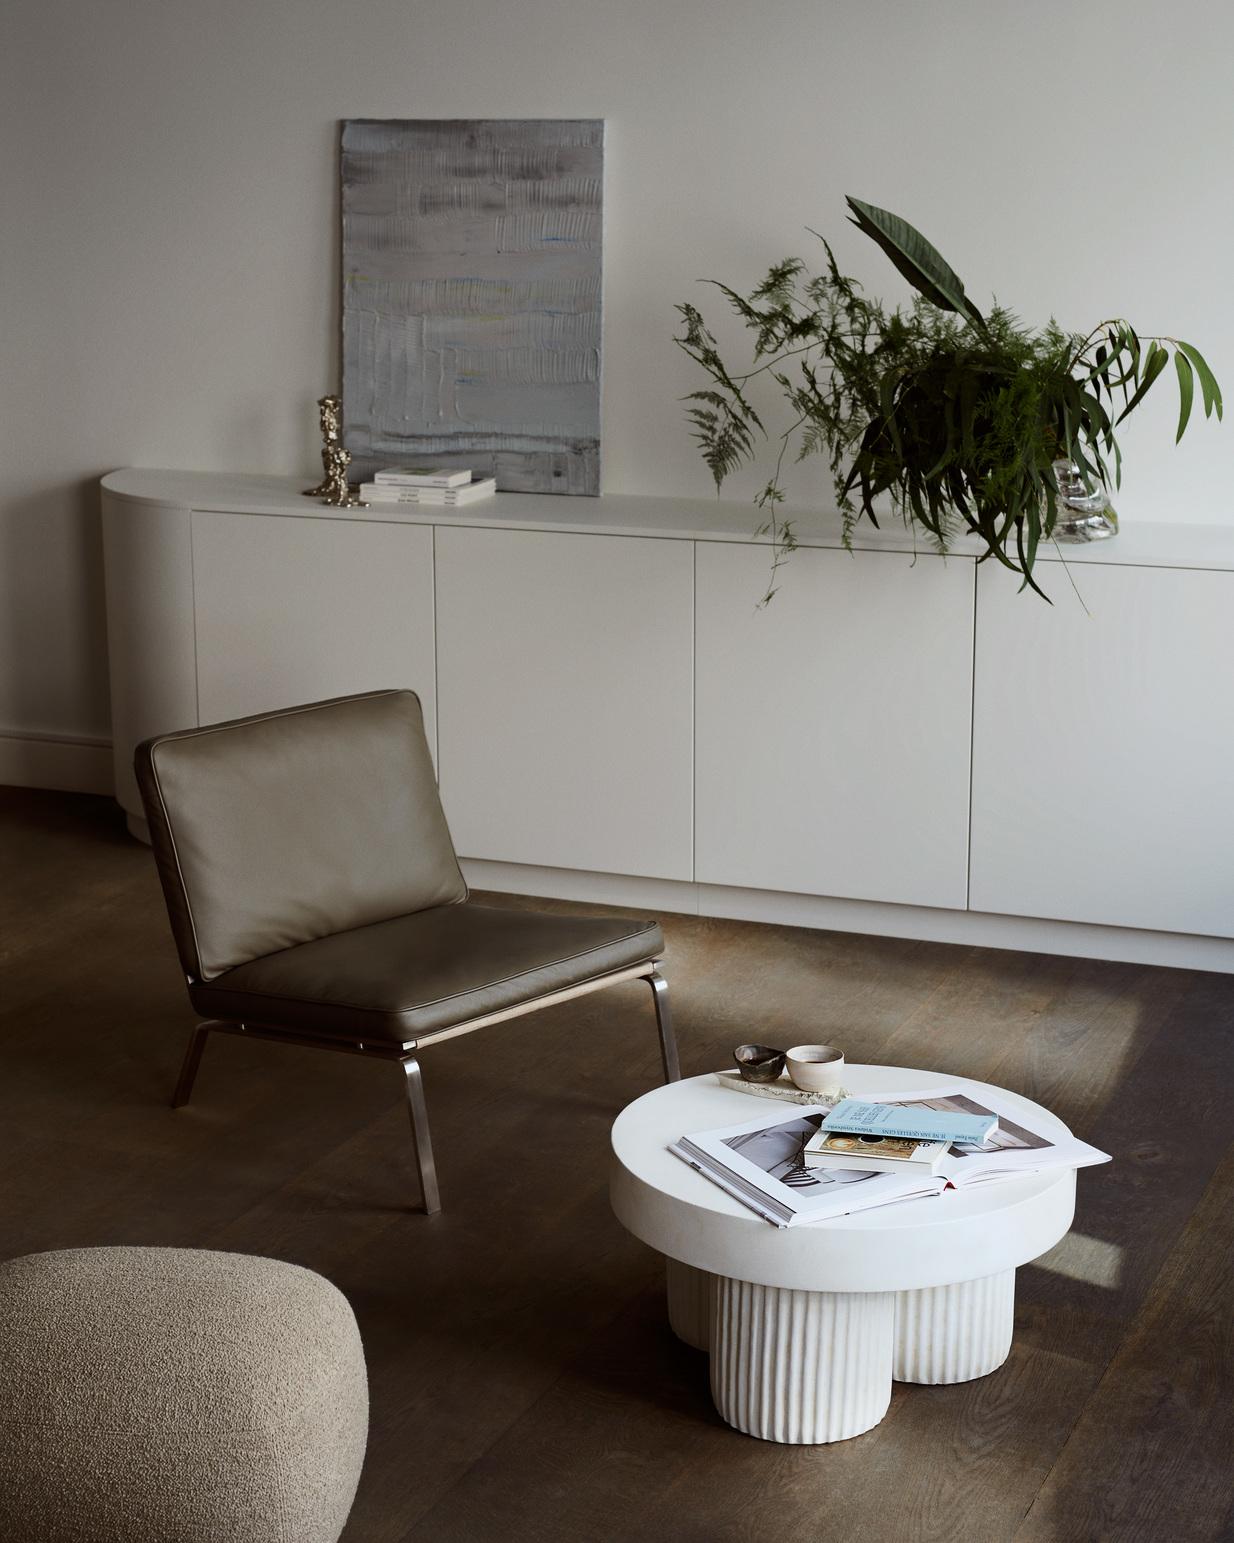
(335, 459)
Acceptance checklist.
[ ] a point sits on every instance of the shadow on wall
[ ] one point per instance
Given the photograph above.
(53, 633)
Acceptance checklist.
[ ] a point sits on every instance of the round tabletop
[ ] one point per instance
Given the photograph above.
(940, 1240)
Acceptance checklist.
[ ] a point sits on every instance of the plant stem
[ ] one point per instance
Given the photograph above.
(778, 556)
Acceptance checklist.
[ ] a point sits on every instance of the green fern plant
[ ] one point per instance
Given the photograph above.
(957, 417)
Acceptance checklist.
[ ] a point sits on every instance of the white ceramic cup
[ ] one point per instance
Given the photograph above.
(816, 1068)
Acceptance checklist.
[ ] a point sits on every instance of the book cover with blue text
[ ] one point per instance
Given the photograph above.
(854, 1116)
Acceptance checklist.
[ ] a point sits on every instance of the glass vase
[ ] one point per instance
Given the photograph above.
(1082, 515)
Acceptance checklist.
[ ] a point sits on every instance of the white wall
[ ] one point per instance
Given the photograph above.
(170, 246)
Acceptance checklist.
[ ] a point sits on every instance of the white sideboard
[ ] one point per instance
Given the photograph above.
(298, 611)
(898, 744)
(823, 719)
(564, 668)
(1103, 775)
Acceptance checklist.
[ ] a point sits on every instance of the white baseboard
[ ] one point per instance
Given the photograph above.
(67, 763)
(1025, 934)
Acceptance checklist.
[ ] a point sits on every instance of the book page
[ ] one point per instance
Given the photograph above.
(1013, 1148)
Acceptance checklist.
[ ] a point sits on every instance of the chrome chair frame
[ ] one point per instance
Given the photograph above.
(405, 1054)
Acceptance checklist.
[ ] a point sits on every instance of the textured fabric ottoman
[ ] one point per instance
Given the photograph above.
(168, 1395)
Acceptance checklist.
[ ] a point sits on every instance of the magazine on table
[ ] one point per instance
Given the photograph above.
(761, 1162)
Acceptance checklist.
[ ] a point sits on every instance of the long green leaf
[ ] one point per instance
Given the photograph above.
(1116, 348)
(1106, 363)
(1154, 362)
(920, 263)
(1208, 381)
(1034, 536)
(887, 403)
(1186, 391)
(1098, 418)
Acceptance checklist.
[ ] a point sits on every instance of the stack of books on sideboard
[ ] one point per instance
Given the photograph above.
(443, 485)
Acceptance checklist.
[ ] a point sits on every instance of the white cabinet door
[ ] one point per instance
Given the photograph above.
(1103, 749)
(294, 610)
(564, 673)
(148, 558)
(833, 725)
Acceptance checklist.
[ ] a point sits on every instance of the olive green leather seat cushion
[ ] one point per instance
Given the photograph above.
(414, 975)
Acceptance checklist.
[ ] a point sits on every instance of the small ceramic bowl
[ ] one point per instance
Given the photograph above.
(816, 1068)
(758, 1063)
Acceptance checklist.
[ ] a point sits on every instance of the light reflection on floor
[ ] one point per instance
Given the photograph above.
(1085, 1259)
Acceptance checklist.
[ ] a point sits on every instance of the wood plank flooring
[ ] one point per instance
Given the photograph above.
(525, 1385)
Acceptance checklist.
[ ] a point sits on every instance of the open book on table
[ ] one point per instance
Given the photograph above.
(761, 1162)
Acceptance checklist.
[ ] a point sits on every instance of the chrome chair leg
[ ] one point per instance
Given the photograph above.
(188, 1068)
(664, 1022)
(417, 1110)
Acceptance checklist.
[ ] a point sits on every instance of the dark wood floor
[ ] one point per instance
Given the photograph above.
(525, 1385)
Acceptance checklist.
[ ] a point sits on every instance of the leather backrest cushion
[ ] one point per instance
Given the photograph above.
(275, 830)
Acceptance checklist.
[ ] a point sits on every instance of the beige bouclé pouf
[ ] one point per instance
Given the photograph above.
(169, 1395)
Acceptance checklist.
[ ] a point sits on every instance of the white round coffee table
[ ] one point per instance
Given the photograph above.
(808, 1326)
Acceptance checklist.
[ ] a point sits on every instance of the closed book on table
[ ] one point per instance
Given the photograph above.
(874, 1154)
(853, 1116)
(422, 476)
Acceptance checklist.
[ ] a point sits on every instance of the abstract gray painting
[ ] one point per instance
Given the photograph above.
(471, 297)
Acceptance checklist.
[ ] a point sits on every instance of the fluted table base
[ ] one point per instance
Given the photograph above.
(810, 1367)
(689, 1303)
(801, 1366)
(954, 1333)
